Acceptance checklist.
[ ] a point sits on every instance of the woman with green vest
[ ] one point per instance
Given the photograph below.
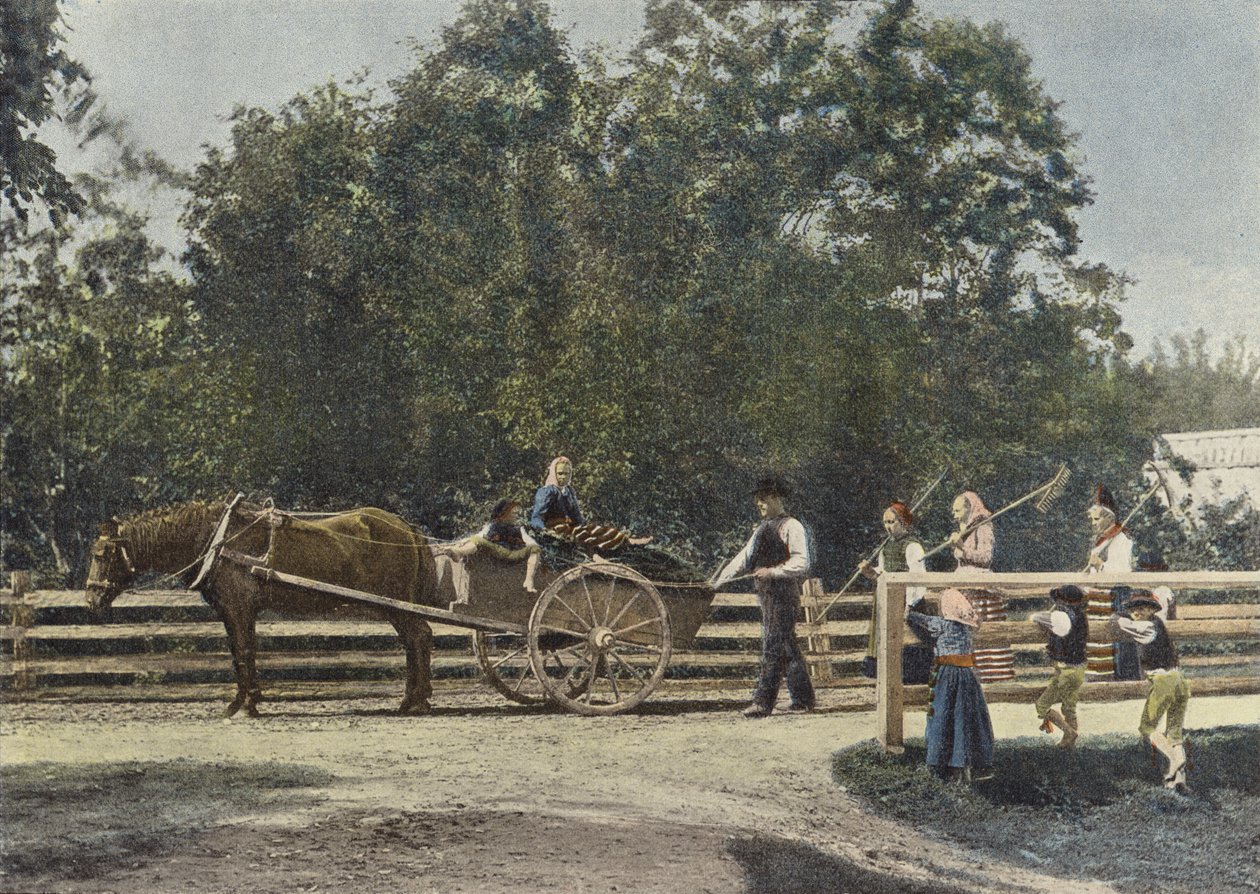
(901, 552)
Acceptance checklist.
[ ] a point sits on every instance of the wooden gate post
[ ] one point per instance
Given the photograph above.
(23, 618)
(890, 601)
(817, 643)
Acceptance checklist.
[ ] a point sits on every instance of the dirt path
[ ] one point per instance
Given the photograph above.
(484, 796)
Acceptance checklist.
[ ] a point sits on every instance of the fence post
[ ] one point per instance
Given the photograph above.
(890, 603)
(23, 618)
(817, 643)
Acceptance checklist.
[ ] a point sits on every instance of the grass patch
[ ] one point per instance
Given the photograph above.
(71, 821)
(1098, 812)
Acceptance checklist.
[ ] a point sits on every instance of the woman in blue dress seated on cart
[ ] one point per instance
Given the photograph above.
(558, 514)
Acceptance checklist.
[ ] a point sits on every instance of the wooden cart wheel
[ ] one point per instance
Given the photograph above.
(505, 662)
(609, 622)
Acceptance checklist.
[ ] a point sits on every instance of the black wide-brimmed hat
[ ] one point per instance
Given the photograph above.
(772, 485)
(1143, 597)
(1071, 594)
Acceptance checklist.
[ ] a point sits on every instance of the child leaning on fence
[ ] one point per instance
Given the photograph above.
(1068, 627)
(1170, 690)
(959, 731)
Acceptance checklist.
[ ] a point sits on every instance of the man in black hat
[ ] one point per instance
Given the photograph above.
(777, 557)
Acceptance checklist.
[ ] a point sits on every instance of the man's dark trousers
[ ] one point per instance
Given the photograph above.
(780, 655)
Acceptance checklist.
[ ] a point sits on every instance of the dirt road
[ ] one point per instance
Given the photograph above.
(479, 796)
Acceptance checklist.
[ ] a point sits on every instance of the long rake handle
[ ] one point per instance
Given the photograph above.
(870, 558)
(989, 519)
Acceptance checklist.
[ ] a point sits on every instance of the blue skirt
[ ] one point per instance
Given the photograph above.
(959, 732)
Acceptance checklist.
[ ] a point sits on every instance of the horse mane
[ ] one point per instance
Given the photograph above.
(166, 530)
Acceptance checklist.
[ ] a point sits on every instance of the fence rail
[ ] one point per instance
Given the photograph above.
(156, 643)
(892, 696)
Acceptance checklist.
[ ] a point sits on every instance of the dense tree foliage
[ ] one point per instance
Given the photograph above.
(773, 237)
(33, 69)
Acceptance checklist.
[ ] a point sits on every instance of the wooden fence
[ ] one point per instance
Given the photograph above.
(1233, 624)
(169, 644)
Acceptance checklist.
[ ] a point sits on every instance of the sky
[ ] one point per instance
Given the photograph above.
(1165, 98)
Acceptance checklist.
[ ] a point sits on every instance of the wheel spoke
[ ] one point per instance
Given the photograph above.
(570, 610)
(589, 602)
(638, 676)
(612, 681)
(638, 650)
(526, 673)
(508, 657)
(625, 608)
(561, 630)
(646, 623)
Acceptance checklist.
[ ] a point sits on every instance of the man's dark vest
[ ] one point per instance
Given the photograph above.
(768, 547)
(1070, 648)
(1160, 653)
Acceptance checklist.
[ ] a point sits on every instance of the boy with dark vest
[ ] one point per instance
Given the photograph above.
(777, 556)
(1068, 627)
(1170, 690)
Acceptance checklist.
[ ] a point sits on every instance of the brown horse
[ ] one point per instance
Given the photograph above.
(363, 549)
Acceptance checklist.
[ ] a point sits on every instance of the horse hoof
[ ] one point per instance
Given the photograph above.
(414, 710)
(252, 711)
(231, 709)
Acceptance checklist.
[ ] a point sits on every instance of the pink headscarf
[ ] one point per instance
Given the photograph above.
(956, 607)
(551, 471)
(976, 510)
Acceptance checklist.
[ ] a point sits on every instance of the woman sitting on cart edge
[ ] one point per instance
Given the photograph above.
(503, 538)
(558, 513)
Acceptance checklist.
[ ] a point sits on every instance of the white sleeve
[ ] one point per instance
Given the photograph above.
(1166, 600)
(1056, 622)
(1119, 553)
(529, 541)
(738, 565)
(915, 562)
(797, 564)
(484, 531)
(1141, 631)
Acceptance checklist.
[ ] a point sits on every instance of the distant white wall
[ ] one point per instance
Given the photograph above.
(1227, 463)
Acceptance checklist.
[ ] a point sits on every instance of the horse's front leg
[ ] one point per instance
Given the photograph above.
(238, 620)
(249, 642)
(231, 624)
(417, 640)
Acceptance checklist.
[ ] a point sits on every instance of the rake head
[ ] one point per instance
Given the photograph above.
(1053, 489)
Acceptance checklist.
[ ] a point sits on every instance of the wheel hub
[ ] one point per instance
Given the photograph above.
(602, 638)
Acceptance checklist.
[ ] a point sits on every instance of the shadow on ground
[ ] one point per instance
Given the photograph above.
(75, 821)
(779, 866)
(1099, 811)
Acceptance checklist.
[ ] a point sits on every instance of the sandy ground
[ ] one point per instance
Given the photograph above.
(483, 795)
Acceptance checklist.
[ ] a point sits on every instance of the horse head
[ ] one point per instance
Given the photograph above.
(111, 570)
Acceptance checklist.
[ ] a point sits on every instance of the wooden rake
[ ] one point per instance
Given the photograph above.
(1045, 494)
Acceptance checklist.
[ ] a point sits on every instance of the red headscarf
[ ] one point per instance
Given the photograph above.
(903, 512)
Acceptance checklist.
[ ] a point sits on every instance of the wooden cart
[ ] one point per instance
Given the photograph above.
(596, 638)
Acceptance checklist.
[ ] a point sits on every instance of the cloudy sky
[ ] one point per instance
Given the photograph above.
(1165, 98)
